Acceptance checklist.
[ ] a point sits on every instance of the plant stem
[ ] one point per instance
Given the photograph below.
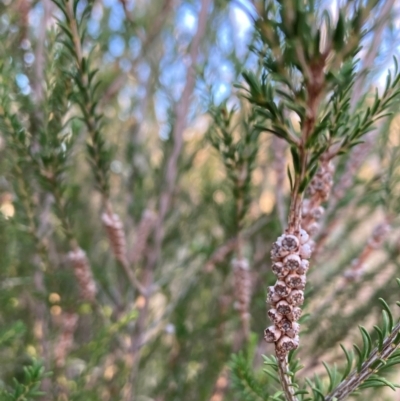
(355, 379)
(285, 379)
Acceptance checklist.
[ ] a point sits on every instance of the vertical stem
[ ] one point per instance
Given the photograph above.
(314, 89)
(286, 381)
(279, 163)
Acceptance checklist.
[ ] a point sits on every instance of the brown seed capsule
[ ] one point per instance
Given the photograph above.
(280, 270)
(83, 273)
(286, 344)
(317, 212)
(305, 251)
(281, 289)
(313, 228)
(279, 251)
(354, 275)
(319, 185)
(327, 178)
(296, 281)
(293, 331)
(303, 268)
(380, 231)
(283, 307)
(304, 237)
(296, 298)
(284, 325)
(292, 261)
(305, 209)
(295, 314)
(275, 316)
(290, 243)
(272, 334)
(116, 236)
(272, 296)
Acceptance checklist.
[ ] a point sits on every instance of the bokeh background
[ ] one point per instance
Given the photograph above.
(162, 65)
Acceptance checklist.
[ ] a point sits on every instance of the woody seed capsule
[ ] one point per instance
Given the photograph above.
(286, 344)
(302, 269)
(272, 296)
(304, 237)
(313, 228)
(296, 281)
(272, 334)
(281, 289)
(290, 243)
(283, 307)
(317, 212)
(305, 251)
(293, 331)
(284, 325)
(280, 270)
(277, 252)
(296, 298)
(295, 314)
(275, 316)
(292, 261)
(305, 209)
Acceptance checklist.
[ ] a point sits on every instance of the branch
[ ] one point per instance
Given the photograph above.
(285, 379)
(368, 368)
(279, 165)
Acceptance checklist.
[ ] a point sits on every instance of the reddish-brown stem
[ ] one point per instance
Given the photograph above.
(286, 382)
(315, 82)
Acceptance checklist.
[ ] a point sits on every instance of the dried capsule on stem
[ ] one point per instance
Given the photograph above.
(281, 289)
(285, 345)
(272, 334)
(116, 235)
(83, 274)
(317, 192)
(275, 316)
(289, 254)
(242, 288)
(292, 261)
(65, 340)
(283, 307)
(280, 270)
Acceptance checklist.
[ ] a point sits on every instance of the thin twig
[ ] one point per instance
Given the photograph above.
(356, 378)
(286, 381)
(113, 231)
(279, 164)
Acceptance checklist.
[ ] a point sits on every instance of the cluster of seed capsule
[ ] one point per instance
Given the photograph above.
(290, 254)
(116, 235)
(242, 280)
(317, 193)
(65, 341)
(83, 274)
